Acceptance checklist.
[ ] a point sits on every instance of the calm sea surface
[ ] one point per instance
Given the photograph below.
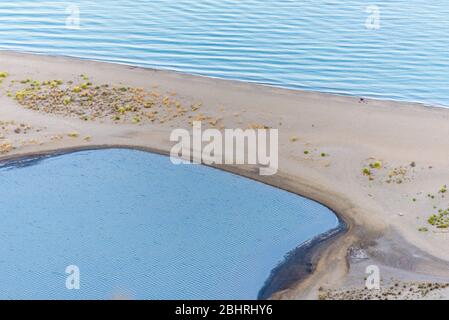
(396, 50)
(138, 226)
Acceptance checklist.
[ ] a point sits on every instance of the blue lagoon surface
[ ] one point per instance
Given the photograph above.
(321, 45)
(138, 226)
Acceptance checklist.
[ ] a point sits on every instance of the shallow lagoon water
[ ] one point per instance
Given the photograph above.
(138, 226)
(321, 45)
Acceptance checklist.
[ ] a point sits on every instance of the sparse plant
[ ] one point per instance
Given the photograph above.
(366, 171)
(376, 165)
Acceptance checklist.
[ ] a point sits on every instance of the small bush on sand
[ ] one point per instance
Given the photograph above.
(376, 165)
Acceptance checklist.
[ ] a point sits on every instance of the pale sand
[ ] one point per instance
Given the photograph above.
(348, 130)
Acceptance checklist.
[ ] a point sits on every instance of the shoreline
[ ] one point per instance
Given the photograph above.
(260, 84)
(350, 131)
(299, 263)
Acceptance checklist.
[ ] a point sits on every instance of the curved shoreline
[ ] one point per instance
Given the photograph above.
(298, 263)
(349, 130)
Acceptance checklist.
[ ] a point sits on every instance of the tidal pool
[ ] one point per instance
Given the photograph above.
(139, 227)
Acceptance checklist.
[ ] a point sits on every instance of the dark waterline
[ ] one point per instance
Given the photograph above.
(149, 236)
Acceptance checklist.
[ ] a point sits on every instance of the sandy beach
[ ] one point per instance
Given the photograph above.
(381, 166)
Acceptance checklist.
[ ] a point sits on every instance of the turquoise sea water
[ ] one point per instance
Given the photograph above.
(138, 226)
(321, 45)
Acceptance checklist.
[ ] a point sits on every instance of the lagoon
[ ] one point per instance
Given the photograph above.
(139, 227)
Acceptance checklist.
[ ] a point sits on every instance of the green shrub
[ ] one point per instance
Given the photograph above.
(376, 165)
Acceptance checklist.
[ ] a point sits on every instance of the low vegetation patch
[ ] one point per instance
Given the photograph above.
(370, 168)
(88, 101)
(440, 220)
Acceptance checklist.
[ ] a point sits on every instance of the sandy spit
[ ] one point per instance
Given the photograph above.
(382, 166)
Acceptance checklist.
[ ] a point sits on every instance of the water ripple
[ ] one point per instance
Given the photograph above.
(315, 45)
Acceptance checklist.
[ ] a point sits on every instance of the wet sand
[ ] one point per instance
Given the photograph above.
(380, 165)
